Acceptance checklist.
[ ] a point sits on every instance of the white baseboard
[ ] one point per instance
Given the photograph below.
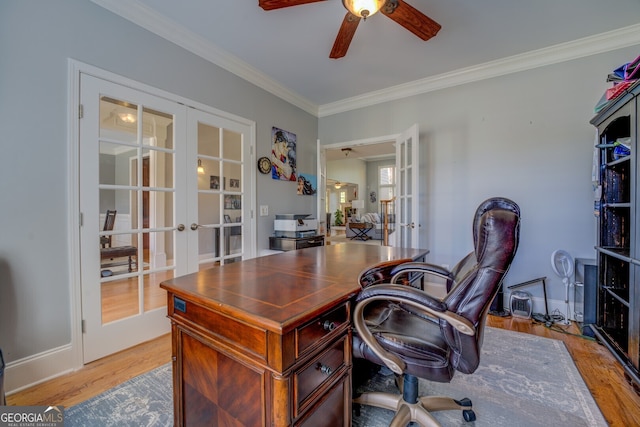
(36, 369)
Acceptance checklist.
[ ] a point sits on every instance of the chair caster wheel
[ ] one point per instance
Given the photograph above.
(464, 402)
(469, 415)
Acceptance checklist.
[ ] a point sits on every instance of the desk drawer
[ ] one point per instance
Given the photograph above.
(314, 332)
(333, 409)
(322, 369)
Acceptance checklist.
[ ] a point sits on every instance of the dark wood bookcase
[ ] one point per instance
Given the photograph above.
(618, 232)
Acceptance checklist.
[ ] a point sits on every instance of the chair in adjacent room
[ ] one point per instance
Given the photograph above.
(417, 335)
(109, 252)
(109, 222)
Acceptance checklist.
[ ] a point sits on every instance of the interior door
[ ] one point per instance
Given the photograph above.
(322, 190)
(130, 164)
(220, 230)
(406, 204)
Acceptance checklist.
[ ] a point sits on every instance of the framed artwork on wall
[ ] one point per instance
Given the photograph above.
(307, 185)
(283, 155)
(214, 182)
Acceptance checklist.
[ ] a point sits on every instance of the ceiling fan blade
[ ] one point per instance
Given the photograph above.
(345, 34)
(411, 19)
(279, 4)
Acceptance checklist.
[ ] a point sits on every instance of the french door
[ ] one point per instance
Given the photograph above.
(322, 208)
(407, 174)
(175, 177)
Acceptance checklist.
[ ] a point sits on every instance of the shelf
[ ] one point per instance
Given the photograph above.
(622, 254)
(616, 205)
(612, 291)
(623, 160)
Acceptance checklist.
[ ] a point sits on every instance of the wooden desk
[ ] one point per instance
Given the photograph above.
(267, 341)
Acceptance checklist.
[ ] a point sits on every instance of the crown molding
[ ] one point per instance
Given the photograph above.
(587, 46)
(148, 19)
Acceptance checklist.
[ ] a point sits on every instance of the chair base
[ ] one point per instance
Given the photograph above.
(420, 410)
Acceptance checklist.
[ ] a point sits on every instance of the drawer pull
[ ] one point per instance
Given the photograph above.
(328, 325)
(324, 369)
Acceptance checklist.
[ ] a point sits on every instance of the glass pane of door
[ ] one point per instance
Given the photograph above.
(136, 188)
(220, 194)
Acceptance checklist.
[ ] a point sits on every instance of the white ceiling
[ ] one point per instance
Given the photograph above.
(286, 51)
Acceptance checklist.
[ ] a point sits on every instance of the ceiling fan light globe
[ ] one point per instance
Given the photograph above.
(363, 8)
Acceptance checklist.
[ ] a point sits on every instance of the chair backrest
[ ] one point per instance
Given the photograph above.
(496, 235)
(464, 266)
(109, 222)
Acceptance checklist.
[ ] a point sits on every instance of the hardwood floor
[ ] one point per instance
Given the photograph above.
(96, 377)
(603, 375)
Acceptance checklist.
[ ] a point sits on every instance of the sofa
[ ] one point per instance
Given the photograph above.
(372, 218)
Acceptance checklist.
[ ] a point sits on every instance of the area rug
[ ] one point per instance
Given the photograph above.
(522, 380)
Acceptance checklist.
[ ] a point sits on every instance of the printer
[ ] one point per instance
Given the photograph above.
(295, 225)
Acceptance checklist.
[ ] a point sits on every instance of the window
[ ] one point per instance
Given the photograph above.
(386, 182)
(343, 197)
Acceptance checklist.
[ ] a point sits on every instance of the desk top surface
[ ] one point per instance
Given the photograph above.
(277, 292)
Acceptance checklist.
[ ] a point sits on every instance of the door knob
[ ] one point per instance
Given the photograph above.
(180, 227)
(195, 226)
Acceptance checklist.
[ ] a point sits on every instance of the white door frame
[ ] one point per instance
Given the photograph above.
(359, 142)
(322, 149)
(321, 190)
(74, 221)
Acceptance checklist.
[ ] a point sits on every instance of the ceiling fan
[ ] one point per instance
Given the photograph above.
(402, 13)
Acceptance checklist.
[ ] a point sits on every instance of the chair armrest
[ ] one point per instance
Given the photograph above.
(424, 268)
(379, 273)
(409, 296)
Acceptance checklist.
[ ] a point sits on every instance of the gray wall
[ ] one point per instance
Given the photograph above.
(525, 136)
(36, 40)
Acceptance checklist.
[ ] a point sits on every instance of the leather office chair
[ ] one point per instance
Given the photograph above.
(417, 335)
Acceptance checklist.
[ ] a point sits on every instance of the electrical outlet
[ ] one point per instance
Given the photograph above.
(264, 210)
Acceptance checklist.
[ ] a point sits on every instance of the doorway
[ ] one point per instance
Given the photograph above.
(404, 209)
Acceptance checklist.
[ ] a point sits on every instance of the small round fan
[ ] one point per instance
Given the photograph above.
(562, 264)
